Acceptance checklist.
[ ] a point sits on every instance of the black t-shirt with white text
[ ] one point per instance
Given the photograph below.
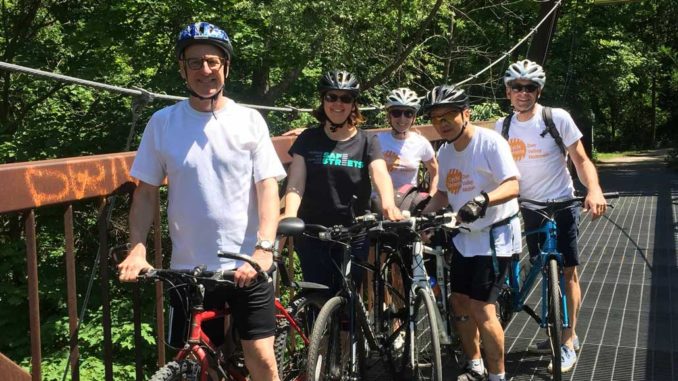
(335, 172)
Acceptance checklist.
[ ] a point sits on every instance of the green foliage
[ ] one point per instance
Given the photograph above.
(486, 111)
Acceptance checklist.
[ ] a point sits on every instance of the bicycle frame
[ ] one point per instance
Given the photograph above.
(198, 341)
(445, 329)
(521, 288)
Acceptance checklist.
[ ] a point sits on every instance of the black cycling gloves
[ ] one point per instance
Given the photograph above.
(474, 209)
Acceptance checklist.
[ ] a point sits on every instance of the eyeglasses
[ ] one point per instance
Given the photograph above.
(530, 88)
(329, 97)
(399, 113)
(447, 117)
(214, 63)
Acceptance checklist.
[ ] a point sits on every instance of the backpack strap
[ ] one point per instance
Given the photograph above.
(505, 127)
(547, 115)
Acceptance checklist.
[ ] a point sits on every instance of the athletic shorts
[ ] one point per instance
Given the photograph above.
(252, 313)
(475, 277)
(568, 230)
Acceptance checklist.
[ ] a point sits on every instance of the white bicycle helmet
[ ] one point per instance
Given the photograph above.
(525, 69)
(402, 97)
(444, 95)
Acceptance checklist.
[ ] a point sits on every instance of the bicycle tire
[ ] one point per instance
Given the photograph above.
(291, 354)
(426, 339)
(394, 317)
(503, 306)
(177, 371)
(325, 355)
(555, 319)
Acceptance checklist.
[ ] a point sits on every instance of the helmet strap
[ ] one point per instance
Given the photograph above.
(463, 127)
(335, 126)
(398, 134)
(214, 97)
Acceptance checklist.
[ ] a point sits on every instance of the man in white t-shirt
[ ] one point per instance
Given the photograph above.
(479, 180)
(222, 172)
(545, 176)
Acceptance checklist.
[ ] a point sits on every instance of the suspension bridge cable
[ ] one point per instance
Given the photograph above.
(506, 54)
(139, 91)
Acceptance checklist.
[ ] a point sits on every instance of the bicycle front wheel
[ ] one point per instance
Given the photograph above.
(328, 351)
(426, 349)
(178, 371)
(291, 353)
(555, 319)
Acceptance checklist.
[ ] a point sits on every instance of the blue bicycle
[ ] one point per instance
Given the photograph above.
(548, 264)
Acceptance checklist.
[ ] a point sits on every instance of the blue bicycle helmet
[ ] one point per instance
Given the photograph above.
(203, 33)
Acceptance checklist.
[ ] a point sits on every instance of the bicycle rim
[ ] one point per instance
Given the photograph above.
(555, 320)
(428, 362)
(290, 351)
(395, 299)
(327, 351)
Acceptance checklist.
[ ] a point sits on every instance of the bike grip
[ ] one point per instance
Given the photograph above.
(611, 194)
(396, 224)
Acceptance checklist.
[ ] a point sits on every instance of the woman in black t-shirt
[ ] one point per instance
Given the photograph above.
(330, 165)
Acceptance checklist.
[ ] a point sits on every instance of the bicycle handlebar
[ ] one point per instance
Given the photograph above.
(339, 232)
(199, 273)
(557, 203)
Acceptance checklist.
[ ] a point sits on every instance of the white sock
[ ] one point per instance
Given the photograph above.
(497, 377)
(477, 365)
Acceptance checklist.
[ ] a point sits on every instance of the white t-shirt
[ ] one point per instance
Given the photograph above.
(211, 165)
(543, 168)
(484, 164)
(404, 156)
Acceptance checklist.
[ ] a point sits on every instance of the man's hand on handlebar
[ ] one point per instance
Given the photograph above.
(246, 274)
(134, 264)
(596, 203)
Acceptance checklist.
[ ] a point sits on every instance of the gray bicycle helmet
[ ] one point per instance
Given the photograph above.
(527, 70)
(339, 80)
(402, 97)
(446, 95)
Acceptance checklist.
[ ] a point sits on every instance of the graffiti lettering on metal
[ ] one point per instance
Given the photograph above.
(28, 185)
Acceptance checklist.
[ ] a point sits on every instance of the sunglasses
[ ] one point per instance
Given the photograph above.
(531, 88)
(214, 63)
(399, 113)
(329, 97)
(446, 117)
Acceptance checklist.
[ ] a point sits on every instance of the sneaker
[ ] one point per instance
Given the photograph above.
(471, 375)
(567, 359)
(545, 346)
(399, 342)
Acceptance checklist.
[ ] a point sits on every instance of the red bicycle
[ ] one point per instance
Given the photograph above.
(200, 359)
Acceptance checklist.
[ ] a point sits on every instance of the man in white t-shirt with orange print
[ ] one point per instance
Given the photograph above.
(544, 176)
(479, 180)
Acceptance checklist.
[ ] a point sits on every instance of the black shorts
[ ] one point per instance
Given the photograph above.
(475, 277)
(252, 313)
(567, 222)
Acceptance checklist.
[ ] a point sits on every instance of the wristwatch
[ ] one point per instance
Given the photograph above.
(264, 245)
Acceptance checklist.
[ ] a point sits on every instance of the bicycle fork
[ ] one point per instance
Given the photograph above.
(420, 279)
